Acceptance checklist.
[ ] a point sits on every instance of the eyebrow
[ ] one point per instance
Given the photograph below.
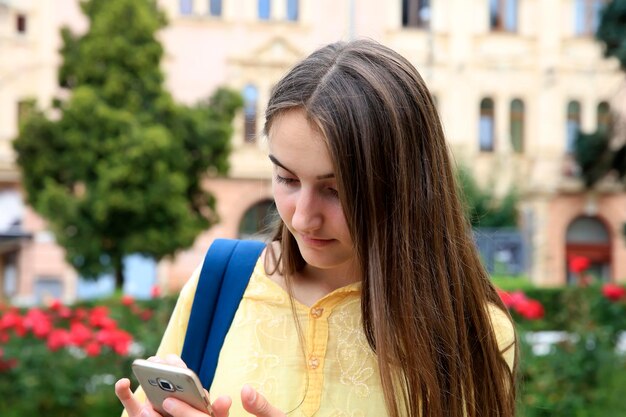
(278, 163)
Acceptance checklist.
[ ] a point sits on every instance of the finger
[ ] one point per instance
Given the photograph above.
(175, 360)
(132, 406)
(221, 406)
(179, 408)
(256, 404)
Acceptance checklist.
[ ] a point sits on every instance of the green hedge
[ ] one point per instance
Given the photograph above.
(583, 375)
(67, 381)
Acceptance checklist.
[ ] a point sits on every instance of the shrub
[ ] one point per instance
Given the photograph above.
(583, 374)
(63, 361)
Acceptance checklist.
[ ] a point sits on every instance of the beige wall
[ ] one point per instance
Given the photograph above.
(544, 64)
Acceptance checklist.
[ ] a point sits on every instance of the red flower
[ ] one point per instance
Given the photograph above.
(79, 334)
(116, 339)
(578, 264)
(155, 291)
(38, 322)
(65, 312)
(146, 315)
(8, 364)
(530, 309)
(10, 320)
(613, 292)
(127, 300)
(93, 349)
(99, 317)
(524, 306)
(58, 338)
(55, 304)
(80, 313)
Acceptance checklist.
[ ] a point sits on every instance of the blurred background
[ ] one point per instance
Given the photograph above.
(131, 137)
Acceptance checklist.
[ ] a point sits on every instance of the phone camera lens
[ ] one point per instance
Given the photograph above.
(166, 385)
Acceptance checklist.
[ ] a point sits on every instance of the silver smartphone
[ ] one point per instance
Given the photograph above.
(160, 381)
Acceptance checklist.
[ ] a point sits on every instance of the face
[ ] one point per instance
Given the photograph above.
(305, 191)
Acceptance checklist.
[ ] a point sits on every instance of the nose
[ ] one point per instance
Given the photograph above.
(307, 216)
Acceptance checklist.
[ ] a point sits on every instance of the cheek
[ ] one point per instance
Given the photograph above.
(284, 203)
(339, 220)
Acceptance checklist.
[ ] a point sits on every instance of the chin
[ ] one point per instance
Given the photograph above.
(323, 261)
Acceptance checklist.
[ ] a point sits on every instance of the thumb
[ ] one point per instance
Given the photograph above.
(255, 403)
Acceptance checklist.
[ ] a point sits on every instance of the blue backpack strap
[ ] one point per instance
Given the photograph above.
(224, 277)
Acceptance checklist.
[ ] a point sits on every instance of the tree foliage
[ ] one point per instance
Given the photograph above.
(118, 167)
(612, 31)
(604, 151)
(482, 207)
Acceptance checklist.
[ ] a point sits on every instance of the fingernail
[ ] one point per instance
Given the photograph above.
(250, 393)
(168, 405)
(145, 413)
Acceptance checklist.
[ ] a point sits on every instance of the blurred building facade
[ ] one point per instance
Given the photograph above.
(513, 80)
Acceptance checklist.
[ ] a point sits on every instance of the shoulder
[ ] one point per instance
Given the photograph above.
(189, 289)
(504, 331)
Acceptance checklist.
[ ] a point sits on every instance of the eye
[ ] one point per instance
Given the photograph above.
(332, 192)
(285, 180)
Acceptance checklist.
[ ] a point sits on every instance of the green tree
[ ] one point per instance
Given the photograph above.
(118, 167)
(482, 207)
(593, 151)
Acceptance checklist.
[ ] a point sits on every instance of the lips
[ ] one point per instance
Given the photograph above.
(315, 241)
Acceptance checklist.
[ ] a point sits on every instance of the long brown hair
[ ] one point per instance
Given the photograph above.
(425, 292)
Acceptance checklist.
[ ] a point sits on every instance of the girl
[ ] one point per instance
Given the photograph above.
(371, 298)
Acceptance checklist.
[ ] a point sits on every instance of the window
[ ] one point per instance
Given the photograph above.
(9, 277)
(292, 10)
(24, 109)
(215, 7)
(486, 125)
(20, 23)
(604, 116)
(416, 13)
(503, 15)
(264, 9)
(186, 7)
(250, 98)
(587, 16)
(572, 125)
(48, 288)
(588, 237)
(517, 125)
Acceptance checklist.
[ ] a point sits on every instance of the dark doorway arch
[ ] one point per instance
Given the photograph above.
(589, 237)
(256, 221)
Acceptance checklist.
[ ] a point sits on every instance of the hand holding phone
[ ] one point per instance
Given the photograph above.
(160, 381)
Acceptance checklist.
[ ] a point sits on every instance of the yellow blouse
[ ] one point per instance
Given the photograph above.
(262, 349)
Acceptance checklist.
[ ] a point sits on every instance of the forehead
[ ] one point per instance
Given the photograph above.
(298, 143)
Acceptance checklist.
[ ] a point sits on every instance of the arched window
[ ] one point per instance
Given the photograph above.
(587, 16)
(264, 9)
(186, 7)
(416, 13)
(215, 7)
(292, 10)
(486, 128)
(572, 125)
(517, 125)
(604, 116)
(503, 15)
(589, 238)
(257, 219)
(250, 98)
